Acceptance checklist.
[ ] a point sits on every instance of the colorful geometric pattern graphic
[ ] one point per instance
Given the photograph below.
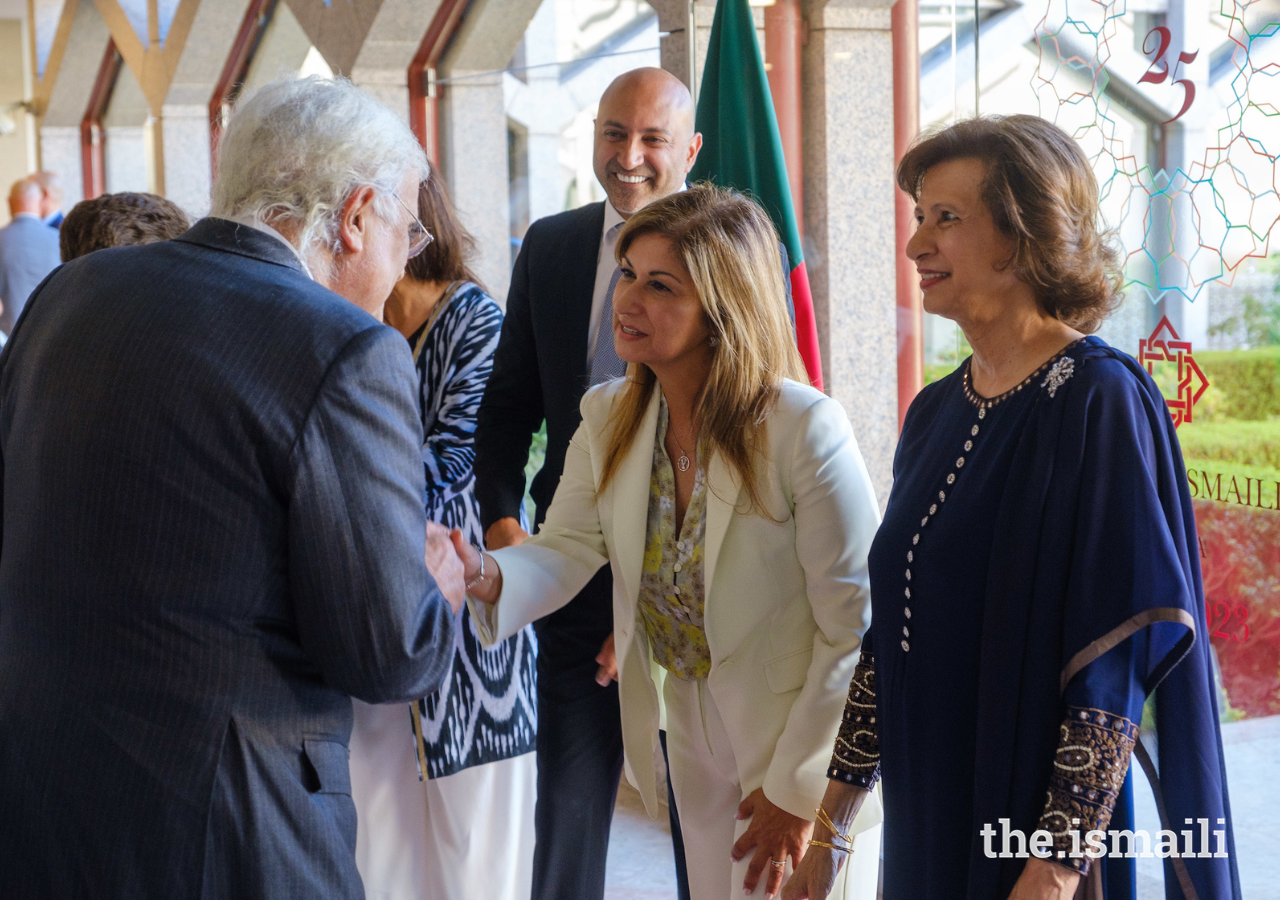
(1163, 346)
(1196, 182)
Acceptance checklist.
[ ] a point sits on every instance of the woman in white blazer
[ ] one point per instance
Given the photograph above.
(736, 513)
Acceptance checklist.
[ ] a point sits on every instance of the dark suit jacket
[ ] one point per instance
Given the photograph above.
(540, 371)
(212, 534)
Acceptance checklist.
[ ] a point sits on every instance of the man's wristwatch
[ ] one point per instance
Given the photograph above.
(479, 578)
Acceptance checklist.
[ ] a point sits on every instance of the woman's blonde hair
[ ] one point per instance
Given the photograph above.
(730, 248)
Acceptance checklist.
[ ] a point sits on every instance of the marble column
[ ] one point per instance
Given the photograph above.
(187, 169)
(473, 130)
(60, 152)
(473, 155)
(849, 216)
(70, 45)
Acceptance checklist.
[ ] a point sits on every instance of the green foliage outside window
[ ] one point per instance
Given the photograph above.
(537, 454)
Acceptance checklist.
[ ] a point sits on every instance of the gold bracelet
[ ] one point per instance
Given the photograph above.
(830, 846)
(825, 821)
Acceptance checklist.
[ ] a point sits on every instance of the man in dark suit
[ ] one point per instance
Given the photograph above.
(213, 528)
(557, 339)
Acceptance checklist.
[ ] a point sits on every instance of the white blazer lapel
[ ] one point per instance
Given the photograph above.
(723, 490)
(630, 489)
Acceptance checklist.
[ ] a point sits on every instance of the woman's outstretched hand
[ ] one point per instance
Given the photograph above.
(775, 834)
(487, 589)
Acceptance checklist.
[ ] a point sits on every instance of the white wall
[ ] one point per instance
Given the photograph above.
(17, 149)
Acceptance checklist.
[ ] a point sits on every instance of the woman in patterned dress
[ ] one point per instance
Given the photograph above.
(444, 789)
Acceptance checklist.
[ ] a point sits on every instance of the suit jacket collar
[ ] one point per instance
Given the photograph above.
(243, 240)
(630, 489)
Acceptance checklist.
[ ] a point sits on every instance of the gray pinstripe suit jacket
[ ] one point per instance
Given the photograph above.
(212, 534)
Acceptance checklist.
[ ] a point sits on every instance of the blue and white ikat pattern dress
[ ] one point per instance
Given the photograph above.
(486, 710)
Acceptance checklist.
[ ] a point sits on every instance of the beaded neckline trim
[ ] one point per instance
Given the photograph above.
(984, 403)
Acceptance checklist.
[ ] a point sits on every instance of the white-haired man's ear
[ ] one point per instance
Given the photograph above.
(353, 225)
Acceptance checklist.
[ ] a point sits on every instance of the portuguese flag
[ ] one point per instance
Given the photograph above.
(742, 149)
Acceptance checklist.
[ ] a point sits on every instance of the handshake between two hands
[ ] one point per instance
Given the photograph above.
(454, 564)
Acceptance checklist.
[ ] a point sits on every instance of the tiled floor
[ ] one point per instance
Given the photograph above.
(641, 866)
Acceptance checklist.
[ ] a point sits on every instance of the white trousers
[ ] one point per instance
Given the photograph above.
(468, 835)
(704, 778)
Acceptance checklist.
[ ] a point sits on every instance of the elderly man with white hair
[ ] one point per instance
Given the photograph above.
(213, 529)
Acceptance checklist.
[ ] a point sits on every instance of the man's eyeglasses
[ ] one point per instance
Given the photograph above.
(419, 237)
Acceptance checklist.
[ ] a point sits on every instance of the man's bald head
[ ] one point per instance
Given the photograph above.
(645, 142)
(51, 189)
(24, 197)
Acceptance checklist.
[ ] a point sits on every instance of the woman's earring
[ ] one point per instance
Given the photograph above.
(713, 342)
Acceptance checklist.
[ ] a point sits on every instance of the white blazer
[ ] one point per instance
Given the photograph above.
(786, 602)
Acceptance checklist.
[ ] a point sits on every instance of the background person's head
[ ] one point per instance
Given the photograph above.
(324, 164)
(446, 257)
(119, 220)
(24, 197)
(51, 187)
(645, 143)
(1008, 206)
(701, 289)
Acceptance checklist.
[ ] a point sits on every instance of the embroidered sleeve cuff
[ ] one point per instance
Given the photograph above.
(1089, 769)
(856, 759)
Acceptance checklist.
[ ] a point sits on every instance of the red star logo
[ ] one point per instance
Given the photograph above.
(1165, 346)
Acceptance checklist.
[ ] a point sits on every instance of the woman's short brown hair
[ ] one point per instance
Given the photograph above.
(445, 258)
(119, 220)
(1042, 193)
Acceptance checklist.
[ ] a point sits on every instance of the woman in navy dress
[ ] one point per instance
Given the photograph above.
(1035, 579)
(445, 789)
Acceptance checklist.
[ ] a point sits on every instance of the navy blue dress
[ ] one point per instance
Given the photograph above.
(929, 566)
(1032, 585)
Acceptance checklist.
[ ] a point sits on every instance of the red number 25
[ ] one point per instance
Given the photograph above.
(1156, 75)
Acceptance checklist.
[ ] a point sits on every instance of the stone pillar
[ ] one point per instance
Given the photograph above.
(849, 217)
(129, 142)
(545, 125)
(473, 130)
(388, 86)
(182, 131)
(60, 152)
(187, 166)
(673, 21)
(75, 40)
(473, 155)
(381, 67)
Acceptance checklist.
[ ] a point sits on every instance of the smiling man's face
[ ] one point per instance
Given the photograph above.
(645, 144)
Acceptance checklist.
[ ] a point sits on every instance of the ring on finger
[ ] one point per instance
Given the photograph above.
(777, 863)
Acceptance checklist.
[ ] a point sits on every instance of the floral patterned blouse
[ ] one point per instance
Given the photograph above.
(671, 579)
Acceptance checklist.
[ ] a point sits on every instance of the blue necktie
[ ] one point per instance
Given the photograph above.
(605, 364)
